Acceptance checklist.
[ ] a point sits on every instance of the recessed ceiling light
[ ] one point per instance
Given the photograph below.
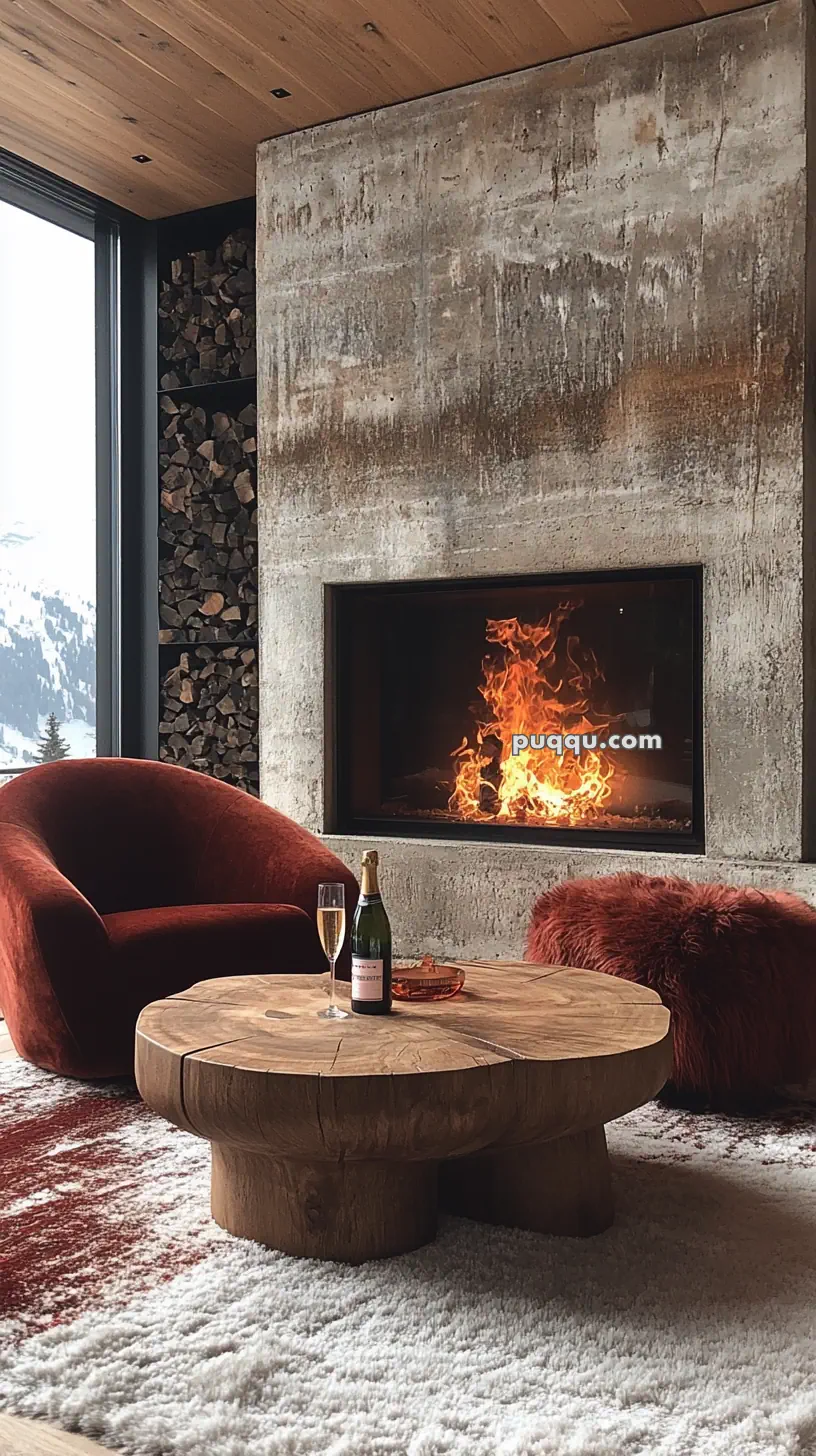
(140, 157)
(280, 92)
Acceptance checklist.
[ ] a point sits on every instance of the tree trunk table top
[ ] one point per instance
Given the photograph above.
(524, 1055)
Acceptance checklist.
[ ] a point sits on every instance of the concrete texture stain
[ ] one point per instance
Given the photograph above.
(551, 322)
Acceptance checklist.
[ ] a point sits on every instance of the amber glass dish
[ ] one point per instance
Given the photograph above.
(425, 980)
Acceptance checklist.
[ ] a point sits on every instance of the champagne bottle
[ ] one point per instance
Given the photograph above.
(370, 946)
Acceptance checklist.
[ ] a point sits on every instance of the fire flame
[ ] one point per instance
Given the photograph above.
(541, 682)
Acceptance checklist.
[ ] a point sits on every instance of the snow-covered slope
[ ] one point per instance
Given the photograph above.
(47, 658)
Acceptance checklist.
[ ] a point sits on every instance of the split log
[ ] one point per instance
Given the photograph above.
(207, 315)
(209, 714)
(208, 532)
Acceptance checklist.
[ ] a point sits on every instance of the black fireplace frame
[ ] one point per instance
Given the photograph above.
(339, 817)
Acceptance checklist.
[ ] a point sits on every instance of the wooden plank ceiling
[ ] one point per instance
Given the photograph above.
(87, 85)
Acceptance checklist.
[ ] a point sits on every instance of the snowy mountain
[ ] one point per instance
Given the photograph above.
(47, 657)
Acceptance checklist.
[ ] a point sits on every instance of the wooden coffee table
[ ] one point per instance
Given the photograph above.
(338, 1139)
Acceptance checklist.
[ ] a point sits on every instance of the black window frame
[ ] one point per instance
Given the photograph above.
(126, 569)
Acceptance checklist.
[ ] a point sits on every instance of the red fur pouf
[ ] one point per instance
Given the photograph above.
(735, 967)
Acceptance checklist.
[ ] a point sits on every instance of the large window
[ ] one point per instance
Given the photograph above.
(48, 491)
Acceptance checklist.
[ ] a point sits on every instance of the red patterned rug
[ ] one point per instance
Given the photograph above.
(100, 1198)
(688, 1329)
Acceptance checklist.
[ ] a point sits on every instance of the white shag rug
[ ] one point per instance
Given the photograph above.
(689, 1328)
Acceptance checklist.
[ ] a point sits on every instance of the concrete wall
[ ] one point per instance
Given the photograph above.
(474, 900)
(550, 322)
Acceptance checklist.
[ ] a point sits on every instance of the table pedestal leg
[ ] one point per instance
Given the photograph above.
(345, 1211)
(559, 1187)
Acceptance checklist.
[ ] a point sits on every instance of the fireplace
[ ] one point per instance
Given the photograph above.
(549, 708)
(461, 385)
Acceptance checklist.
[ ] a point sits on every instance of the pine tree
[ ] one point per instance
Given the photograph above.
(52, 745)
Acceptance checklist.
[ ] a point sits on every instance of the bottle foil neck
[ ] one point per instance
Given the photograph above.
(369, 888)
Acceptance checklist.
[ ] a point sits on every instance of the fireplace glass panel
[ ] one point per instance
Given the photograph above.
(540, 708)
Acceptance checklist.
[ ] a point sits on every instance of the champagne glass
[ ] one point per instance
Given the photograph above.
(331, 927)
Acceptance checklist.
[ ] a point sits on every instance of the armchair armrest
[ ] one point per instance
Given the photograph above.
(254, 854)
(54, 951)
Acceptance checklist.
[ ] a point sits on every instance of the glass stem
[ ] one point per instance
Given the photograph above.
(331, 982)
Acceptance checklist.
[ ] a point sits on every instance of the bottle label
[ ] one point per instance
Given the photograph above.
(366, 979)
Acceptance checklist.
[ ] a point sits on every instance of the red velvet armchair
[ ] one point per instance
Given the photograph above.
(123, 881)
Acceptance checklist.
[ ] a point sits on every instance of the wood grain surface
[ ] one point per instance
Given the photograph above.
(20, 1437)
(90, 84)
(560, 1187)
(326, 1136)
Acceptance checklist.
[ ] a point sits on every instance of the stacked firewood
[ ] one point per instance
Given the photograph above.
(209, 714)
(208, 567)
(207, 315)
